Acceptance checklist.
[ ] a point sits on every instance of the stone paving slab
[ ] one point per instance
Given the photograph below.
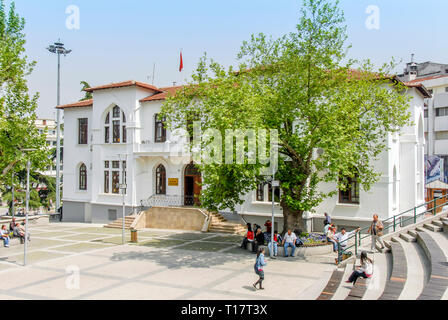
(203, 246)
(80, 247)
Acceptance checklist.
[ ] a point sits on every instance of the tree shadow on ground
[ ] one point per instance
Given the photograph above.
(176, 259)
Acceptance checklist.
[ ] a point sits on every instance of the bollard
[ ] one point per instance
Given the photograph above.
(134, 236)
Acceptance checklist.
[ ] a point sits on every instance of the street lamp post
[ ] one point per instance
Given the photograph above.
(123, 191)
(58, 48)
(28, 166)
(12, 193)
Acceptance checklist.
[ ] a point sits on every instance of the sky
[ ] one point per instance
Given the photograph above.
(122, 40)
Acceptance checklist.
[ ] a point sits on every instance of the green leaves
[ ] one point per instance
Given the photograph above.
(17, 107)
(299, 85)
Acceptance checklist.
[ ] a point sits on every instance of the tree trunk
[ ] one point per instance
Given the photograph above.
(292, 219)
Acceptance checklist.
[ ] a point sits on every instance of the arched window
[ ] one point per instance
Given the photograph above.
(160, 180)
(118, 126)
(83, 177)
(160, 129)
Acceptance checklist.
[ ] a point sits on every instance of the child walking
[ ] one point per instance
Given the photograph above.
(258, 267)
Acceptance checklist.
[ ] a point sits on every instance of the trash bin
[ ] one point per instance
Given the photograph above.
(134, 236)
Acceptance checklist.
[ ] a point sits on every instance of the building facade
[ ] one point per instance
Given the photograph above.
(48, 127)
(118, 138)
(434, 76)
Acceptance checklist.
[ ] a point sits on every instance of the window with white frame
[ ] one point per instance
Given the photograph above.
(115, 126)
(264, 193)
(113, 176)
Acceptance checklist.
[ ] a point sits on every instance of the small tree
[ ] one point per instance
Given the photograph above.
(87, 95)
(299, 85)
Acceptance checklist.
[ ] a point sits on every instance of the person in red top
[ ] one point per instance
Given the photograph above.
(268, 225)
(249, 237)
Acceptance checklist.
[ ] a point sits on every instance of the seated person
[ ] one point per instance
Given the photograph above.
(248, 238)
(289, 241)
(365, 270)
(12, 225)
(5, 236)
(259, 240)
(330, 234)
(341, 239)
(19, 232)
(273, 245)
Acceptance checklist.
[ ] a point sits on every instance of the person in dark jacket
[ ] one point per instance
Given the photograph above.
(259, 240)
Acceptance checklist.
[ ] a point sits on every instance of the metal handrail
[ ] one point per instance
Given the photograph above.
(358, 235)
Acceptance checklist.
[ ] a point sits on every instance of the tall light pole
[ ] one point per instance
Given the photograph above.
(28, 166)
(58, 48)
(123, 190)
(12, 193)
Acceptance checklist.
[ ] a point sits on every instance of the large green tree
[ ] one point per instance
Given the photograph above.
(332, 114)
(17, 107)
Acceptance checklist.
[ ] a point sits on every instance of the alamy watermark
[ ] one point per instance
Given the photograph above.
(239, 146)
(72, 282)
(73, 20)
(373, 20)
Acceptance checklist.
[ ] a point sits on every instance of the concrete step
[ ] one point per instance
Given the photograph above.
(380, 276)
(435, 246)
(421, 229)
(444, 219)
(344, 288)
(413, 233)
(433, 227)
(407, 237)
(417, 267)
(438, 223)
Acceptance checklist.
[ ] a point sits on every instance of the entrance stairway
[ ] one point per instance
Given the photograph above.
(219, 224)
(412, 266)
(118, 224)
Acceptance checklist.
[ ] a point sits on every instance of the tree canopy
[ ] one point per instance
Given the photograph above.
(304, 86)
(17, 107)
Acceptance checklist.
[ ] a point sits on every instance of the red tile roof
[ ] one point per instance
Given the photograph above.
(420, 87)
(419, 80)
(129, 83)
(163, 95)
(79, 104)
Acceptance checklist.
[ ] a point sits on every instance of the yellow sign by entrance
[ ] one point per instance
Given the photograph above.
(173, 182)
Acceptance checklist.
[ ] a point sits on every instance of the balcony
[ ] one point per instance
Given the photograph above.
(441, 147)
(441, 123)
(441, 100)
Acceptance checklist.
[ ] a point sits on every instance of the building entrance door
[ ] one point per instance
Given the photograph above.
(192, 185)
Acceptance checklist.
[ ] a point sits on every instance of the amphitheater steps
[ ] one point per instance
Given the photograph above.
(343, 290)
(395, 285)
(118, 224)
(417, 268)
(440, 265)
(437, 285)
(381, 274)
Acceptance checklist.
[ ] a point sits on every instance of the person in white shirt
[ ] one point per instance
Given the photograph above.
(341, 238)
(365, 270)
(289, 240)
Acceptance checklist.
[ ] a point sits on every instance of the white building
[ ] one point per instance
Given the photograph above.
(121, 119)
(48, 127)
(433, 76)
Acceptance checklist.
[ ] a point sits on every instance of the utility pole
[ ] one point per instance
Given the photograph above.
(58, 48)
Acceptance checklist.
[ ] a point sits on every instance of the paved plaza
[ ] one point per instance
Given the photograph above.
(83, 261)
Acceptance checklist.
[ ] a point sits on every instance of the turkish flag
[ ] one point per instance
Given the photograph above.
(181, 67)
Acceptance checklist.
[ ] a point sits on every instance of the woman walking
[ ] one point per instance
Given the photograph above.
(259, 263)
(365, 270)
